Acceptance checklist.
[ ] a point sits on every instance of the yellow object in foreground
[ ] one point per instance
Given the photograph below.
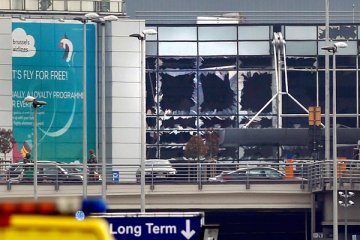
(45, 227)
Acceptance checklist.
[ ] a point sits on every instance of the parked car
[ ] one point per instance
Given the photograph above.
(12, 172)
(156, 170)
(249, 173)
(48, 172)
(77, 169)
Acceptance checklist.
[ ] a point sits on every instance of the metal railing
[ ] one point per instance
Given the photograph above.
(317, 175)
(321, 174)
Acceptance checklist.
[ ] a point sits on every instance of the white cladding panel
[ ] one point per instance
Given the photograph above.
(123, 65)
(124, 44)
(124, 105)
(123, 28)
(132, 135)
(125, 59)
(6, 56)
(126, 120)
(125, 74)
(5, 73)
(6, 88)
(126, 151)
(126, 89)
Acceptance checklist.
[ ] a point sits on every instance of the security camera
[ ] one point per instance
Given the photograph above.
(29, 99)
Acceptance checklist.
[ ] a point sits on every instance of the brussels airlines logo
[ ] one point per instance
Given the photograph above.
(23, 44)
(68, 47)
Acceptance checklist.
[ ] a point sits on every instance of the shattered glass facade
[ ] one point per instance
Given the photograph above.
(203, 77)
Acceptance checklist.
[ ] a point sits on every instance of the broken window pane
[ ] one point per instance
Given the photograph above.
(175, 137)
(172, 63)
(346, 122)
(152, 137)
(256, 91)
(177, 122)
(258, 153)
(151, 92)
(228, 154)
(346, 91)
(217, 122)
(256, 62)
(151, 152)
(341, 62)
(217, 94)
(177, 93)
(261, 121)
(301, 62)
(296, 122)
(341, 32)
(217, 63)
(302, 87)
(151, 121)
(171, 152)
(151, 63)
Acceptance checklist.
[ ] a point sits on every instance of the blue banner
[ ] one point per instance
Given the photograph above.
(156, 227)
(48, 65)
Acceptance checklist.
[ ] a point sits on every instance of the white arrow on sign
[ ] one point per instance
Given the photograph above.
(187, 233)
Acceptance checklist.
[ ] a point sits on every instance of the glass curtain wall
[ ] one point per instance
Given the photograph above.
(205, 77)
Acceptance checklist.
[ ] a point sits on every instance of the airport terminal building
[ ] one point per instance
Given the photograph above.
(207, 69)
(214, 66)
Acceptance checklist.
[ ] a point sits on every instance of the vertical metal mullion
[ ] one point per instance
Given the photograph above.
(357, 91)
(237, 88)
(157, 95)
(197, 82)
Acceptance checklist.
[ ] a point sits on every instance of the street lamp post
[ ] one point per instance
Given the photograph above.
(333, 49)
(346, 203)
(102, 21)
(35, 104)
(84, 19)
(142, 38)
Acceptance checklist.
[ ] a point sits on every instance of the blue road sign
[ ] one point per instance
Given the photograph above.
(152, 227)
(115, 176)
(355, 237)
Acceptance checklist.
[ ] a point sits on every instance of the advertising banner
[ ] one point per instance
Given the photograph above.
(47, 64)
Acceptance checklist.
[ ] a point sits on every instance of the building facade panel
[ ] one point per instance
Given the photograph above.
(126, 105)
(6, 106)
